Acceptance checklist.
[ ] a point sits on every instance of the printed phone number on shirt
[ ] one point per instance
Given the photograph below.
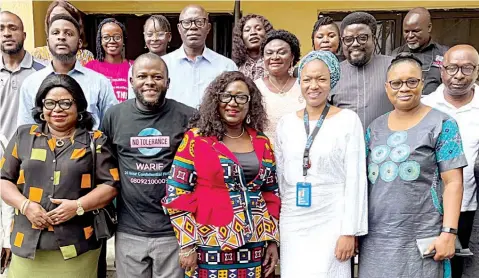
(148, 181)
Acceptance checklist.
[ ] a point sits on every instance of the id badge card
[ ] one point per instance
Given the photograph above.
(303, 194)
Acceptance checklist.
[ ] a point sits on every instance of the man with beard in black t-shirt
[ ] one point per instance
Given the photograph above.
(145, 133)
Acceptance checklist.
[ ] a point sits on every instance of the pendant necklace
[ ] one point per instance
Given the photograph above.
(280, 91)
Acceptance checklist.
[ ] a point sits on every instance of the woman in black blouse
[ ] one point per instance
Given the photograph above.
(47, 177)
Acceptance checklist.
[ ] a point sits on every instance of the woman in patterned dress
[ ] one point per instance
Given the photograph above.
(222, 194)
(248, 35)
(415, 160)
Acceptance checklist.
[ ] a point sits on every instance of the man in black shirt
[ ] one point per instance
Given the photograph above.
(417, 28)
(145, 133)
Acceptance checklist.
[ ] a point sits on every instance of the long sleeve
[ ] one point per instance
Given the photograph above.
(25, 105)
(354, 220)
(6, 217)
(182, 180)
(107, 98)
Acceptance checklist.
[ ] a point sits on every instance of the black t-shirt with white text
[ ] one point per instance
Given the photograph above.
(145, 144)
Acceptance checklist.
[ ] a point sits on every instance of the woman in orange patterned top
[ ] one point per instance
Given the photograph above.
(47, 176)
(222, 194)
(63, 7)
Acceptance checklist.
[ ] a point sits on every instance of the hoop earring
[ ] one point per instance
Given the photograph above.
(42, 117)
(248, 119)
(145, 47)
(81, 117)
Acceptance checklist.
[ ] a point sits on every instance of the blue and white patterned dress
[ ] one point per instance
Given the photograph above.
(405, 194)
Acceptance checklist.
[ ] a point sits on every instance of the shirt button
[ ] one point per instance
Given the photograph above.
(51, 178)
(54, 160)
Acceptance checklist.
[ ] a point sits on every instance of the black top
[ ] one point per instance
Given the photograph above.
(250, 164)
(43, 171)
(431, 58)
(145, 143)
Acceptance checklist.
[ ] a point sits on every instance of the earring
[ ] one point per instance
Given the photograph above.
(42, 117)
(145, 47)
(81, 117)
(248, 119)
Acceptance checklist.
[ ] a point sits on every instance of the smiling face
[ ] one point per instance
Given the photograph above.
(194, 36)
(232, 113)
(326, 38)
(63, 40)
(253, 34)
(150, 81)
(156, 38)
(58, 118)
(404, 98)
(315, 83)
(278, 57)
(112, 39)
(356, 53)
(11, 33)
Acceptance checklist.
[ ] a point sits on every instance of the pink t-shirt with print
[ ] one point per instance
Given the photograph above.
(116, 73)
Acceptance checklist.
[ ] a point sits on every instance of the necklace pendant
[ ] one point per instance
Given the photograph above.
(59, 143)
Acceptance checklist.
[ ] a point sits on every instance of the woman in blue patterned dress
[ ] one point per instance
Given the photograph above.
(415, 160)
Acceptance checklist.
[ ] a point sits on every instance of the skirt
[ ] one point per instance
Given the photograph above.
(244, 262)
(50, 264)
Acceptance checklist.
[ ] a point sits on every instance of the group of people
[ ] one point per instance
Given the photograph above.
(228, 168)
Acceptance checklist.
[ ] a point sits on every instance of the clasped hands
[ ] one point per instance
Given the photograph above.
(42, 219)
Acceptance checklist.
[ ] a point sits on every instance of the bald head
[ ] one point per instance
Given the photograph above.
(152, 60)
(417, 28)
(460, 70)
(199, 10)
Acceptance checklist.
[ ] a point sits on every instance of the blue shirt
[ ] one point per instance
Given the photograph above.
(189, 78)
(96, 87)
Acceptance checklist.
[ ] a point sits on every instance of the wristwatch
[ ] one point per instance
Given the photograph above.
(80, 210)
(449, 230)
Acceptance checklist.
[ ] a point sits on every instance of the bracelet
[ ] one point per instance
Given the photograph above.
(24, 206)
(187, 254)
(449, 230)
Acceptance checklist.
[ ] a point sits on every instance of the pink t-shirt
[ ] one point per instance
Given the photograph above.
(116, 73)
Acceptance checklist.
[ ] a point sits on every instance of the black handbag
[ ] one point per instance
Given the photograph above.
(104, 219)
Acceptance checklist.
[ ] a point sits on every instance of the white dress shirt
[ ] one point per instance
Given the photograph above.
(467, 118)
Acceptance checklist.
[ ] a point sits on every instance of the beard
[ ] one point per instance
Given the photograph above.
(358, 61)
(18, 48)
(64, 58)
(413, 46)
(151, 104)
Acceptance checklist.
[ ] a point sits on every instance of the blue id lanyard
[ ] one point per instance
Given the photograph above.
(303, 189)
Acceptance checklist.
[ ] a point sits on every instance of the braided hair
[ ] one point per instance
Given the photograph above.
(162, 21)
(100, 53)
(323, 21)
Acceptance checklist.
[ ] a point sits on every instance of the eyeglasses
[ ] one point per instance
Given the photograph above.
(156, 35)
(361, 39)
(239, 99)
(64, 104)
(411, 83)
(454, 69)
(107, 38)
(188, 23)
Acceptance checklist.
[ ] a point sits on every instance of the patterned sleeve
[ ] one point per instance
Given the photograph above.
(449, 150)
(10, 163)
(86, 56)
(182, 180)
(106, 171)
(367, 140)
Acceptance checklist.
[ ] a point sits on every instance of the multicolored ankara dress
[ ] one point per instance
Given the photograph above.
(405, 194)
(212, 206)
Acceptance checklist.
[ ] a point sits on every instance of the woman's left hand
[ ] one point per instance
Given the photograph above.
(345, 248)
(66, 210)
(271, 258)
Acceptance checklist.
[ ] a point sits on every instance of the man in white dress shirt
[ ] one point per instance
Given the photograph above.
(193, 66)
(458, 96)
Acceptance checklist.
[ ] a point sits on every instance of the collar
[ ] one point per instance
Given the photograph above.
(439, 96)
(26, 63)
(207, 54)
(81, 135)
(78, 67)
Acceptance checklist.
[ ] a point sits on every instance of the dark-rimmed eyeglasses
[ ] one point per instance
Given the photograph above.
(64, 104)
(107, 38)
(188, 23)
(361, 39)
(453, 69)
(411, 83)
(227, 97)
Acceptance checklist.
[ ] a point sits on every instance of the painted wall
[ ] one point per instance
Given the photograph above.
(24, 9)
(297, 17)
